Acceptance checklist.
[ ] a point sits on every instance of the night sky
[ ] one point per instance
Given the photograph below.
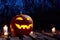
(45, 13)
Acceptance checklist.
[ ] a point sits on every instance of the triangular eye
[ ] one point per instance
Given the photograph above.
(19, 18)
(28, 18)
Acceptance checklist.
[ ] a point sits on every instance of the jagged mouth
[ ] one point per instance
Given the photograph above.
(23, 26)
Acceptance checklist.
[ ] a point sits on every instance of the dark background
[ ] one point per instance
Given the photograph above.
(45, 13)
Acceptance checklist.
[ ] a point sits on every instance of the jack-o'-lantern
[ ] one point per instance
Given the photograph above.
(21, 25)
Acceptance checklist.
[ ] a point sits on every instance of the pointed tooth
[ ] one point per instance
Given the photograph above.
(23, 26)
(28, 27)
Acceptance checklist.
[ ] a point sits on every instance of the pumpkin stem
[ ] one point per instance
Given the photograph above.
(20, 12)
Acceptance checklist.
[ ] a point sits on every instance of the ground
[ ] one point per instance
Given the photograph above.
(34, 36)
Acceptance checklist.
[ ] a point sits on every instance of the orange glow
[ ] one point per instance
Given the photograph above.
(5, 33)
(11, 28)
(28, 18)
(53, 29)
(19, 18)
(30, 25)
(18, 26)
(23, 26)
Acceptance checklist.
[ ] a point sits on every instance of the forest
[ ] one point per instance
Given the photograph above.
(43, 12)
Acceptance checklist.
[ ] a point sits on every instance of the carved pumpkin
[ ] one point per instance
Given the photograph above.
(21, 25)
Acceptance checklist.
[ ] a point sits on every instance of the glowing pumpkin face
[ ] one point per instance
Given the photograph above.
(21, 24)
